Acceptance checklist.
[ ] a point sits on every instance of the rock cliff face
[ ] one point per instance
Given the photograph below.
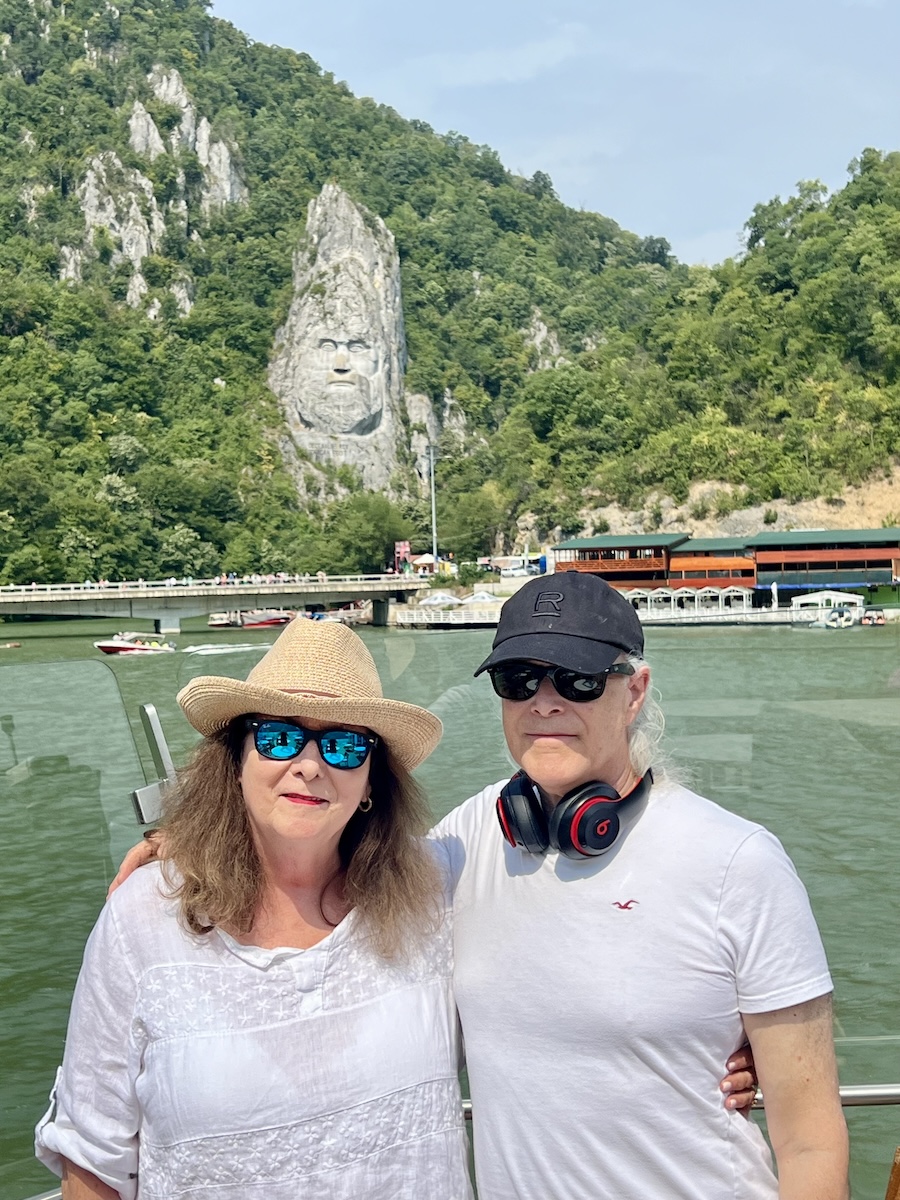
(544, 341)
(145, 139)
(121, 200)
(339, 359)
(222, 180)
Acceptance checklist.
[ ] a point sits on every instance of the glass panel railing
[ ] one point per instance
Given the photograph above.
(793, 728)
(67, 765)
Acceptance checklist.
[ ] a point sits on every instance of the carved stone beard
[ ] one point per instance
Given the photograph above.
(350, 407)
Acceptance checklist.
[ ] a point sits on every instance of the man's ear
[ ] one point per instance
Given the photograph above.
(638, 689)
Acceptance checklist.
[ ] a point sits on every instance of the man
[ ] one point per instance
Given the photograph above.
(618, 952)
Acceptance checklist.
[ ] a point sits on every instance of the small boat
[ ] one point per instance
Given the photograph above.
(224, 620)
(837, 618)
(265, 618)
(873, 616)
(254, 618)
(134, 643)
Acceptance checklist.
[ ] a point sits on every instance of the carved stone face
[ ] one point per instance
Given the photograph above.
(340, 373)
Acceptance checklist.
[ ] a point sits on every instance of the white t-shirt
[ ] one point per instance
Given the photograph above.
(198, 1067)
(600, 999)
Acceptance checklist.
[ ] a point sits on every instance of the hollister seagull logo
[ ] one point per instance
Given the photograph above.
(548, 604)
(626, 907)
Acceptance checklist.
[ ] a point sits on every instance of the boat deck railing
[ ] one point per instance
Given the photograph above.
(851, 1097)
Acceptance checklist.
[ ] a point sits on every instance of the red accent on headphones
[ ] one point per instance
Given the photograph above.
(504, 825)
(584, 824)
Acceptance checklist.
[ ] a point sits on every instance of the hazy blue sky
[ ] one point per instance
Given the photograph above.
(674, 117)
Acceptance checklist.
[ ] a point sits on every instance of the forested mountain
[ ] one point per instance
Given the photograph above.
(137, 434)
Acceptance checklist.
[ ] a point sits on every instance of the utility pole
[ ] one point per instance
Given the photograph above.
(434, 546)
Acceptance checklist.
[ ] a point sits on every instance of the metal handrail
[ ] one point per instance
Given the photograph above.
(870, 1093)
(854, 1096)
(851, 1097)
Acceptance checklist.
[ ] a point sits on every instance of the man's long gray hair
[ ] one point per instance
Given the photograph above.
(646, 735)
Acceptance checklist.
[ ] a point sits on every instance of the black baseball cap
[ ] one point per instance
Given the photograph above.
(570, 620)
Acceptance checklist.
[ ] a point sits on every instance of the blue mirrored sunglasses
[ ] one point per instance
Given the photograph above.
(345, 749)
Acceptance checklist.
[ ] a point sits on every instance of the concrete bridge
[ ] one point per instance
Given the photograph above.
(167, 602)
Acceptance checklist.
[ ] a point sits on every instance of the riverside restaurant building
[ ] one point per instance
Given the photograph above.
(799, 561)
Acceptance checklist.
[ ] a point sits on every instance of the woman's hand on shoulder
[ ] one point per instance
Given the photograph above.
(152, 846)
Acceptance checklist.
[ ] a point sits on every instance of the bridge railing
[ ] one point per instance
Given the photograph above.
(232, 586)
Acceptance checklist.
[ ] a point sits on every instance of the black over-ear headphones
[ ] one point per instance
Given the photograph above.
(585, 822)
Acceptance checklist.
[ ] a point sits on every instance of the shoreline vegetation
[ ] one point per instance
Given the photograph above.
(592, 368)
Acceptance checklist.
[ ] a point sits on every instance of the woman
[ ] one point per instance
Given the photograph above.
(270, 1014)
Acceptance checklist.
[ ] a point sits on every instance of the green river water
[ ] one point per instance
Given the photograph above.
(797, 729)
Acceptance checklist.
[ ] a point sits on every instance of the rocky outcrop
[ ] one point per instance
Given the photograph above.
(31, 196)
(453, 419)
(544, 340)
(120, 200)
(223, 182)
(711, 510)
(144, 138)
(168, 87)
(338, 362)
(70, 260)
(183, 291)
(424, 431)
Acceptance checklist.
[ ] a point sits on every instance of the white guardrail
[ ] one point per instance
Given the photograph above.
(253, 584)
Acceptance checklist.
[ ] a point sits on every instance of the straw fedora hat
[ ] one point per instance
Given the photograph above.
(320, 670)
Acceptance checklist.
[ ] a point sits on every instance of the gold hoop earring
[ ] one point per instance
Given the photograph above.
(365, 805)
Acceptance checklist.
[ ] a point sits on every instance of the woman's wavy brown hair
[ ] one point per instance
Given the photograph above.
(390, 877)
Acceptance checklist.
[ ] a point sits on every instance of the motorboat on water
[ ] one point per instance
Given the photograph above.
(255, 618)
(134, 643)
(265, 618)
(836, 618)
(873, 616)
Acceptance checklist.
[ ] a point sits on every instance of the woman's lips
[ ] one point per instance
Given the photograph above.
(300, 798)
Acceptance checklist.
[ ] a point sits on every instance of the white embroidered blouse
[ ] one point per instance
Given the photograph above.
(198, 1067)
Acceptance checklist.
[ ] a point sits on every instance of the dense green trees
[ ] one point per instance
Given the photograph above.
(131, 446)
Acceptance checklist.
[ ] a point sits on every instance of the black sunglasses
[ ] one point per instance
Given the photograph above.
(521, 680)
(345, 749)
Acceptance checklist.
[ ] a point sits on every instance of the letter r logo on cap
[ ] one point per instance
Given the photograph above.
(548, 604)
